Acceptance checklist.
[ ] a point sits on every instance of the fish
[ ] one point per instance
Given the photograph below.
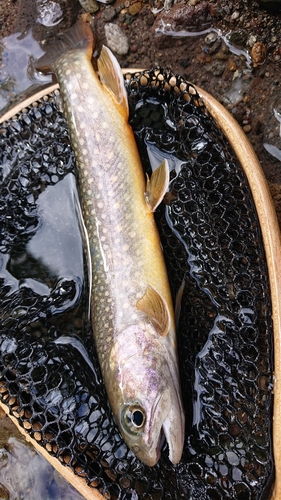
(132, 311)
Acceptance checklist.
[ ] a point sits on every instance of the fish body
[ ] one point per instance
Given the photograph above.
(131, 305)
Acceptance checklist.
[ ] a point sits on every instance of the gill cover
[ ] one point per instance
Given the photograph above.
(146, 399)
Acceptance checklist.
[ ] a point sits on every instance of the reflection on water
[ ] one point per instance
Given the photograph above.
(16, 53)
(25, 475)
(52, 257)
(48, 262)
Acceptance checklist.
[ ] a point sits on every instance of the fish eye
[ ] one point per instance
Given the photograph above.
(133, 418)
(137, 418)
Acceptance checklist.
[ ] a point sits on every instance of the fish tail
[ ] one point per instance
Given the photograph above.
(78, 38)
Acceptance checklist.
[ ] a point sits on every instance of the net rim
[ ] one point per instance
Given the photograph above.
(272, 244)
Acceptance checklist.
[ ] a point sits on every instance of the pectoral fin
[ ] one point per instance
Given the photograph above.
(111, 76)
(157, 185)
(155, 307)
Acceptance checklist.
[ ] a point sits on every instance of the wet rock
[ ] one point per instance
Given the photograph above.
(116, 39)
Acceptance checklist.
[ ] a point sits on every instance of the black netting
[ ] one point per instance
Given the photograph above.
(50, 377)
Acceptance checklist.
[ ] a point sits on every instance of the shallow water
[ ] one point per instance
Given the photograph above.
(26, 475)
(16, 75)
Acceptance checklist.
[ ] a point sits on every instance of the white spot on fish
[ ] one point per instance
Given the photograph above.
(85, 85)
(68, 71)
(100, 204)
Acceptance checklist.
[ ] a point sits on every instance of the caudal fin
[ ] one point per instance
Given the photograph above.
(79, 37)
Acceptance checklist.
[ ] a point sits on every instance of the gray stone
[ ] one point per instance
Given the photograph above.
(116, 40)
(108, 14)
(90, 6)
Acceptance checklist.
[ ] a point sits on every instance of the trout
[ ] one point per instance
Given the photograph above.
(131, 306)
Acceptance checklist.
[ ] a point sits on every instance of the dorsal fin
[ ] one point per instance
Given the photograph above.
(157, 185)
(112, 77)
(155, 307)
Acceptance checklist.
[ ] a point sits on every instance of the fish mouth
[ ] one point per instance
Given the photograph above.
(162, 440)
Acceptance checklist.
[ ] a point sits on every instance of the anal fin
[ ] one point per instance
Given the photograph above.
(157, 185)
(155, 307)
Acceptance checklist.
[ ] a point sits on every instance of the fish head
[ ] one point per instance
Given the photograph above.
(145, 396)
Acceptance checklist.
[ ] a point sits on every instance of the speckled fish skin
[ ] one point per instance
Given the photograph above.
(139, 365)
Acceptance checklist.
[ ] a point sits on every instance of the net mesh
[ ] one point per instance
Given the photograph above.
(50, 378)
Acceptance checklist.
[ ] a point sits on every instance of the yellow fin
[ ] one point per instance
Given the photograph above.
(155, 307)
(157, 185)
(178, 302)
(111, 76)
